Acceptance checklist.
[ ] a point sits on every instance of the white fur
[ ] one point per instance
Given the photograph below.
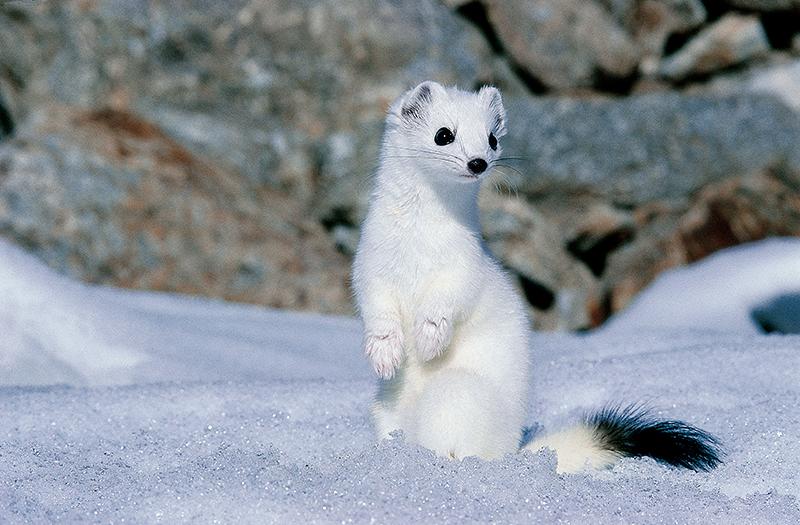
(443, 326)
(576, 449)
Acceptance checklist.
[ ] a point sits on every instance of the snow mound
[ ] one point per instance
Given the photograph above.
(179, 410)
(745, 289)
(59, 331)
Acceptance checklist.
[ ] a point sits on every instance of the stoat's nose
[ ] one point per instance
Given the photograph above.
(477, 166)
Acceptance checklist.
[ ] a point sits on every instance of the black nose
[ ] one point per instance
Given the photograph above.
(477, 166)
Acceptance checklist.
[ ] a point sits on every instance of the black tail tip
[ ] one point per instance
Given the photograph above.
(633, 431)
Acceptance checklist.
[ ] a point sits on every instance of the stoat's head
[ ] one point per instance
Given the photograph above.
(445, 132)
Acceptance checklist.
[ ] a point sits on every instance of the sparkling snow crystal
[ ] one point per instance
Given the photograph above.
(135, 407)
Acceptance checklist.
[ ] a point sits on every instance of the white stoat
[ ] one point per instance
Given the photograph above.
(444, 327)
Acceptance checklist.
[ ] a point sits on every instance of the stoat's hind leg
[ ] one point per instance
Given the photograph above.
(462, 414)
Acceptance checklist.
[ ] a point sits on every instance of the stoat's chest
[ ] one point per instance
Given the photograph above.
(420, 247)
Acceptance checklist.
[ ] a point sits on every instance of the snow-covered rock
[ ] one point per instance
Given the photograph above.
(721, 292)
(57, 331)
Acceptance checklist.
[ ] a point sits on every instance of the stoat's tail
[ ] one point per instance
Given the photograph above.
(617, 432)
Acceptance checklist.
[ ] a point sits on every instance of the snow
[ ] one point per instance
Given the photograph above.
(722, 292)
(780, 80)
(56, 331)
(123, 406)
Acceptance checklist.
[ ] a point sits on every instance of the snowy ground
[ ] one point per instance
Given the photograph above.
(132, 407)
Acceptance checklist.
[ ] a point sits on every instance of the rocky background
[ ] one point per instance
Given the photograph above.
(225, 148)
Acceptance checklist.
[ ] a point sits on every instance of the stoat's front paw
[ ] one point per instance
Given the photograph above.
(433, 334)
(383, 347)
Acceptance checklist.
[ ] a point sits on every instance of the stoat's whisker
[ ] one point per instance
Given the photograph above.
(429, 151)
(506, 182)
(512, 168)
(443, 159)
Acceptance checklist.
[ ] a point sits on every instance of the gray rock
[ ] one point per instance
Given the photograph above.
(533, 247)
(723, 214)
(653, 21)
(765, 5)
(563, 43)
(455, 4)
(593, 258)
(107, 197)
(224, 148)
(621, 10)
(269, 89)
(779, 314)
(731, 40)
(6, 118)
(642, 148)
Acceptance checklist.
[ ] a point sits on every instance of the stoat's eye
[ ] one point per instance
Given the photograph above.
(444, 137)
(492, 141)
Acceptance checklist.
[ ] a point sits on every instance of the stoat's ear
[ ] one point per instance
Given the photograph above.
(416, 102)
(490, 96)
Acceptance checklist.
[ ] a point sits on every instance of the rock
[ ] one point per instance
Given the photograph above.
(613, 180)
(6, 119)
(291, 94)
(779, 314)
(224, 148)
(765, 5)
(555, 284)
(724, 214)
(731, 40)
(287, 98)
(555, 248)
(643, 148)
(455, 4)
(564, 44)
(620, 10)
(105, 196)
(740, 210)
(579, 263)
(653, 21)
(600, 230)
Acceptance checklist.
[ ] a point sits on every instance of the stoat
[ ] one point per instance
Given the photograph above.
(444, 328)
